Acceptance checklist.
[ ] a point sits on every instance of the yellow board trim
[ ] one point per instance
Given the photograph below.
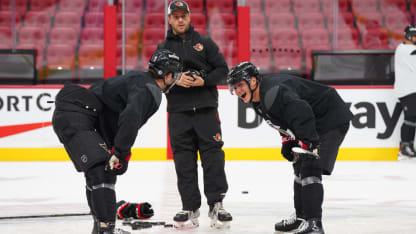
(231, 154)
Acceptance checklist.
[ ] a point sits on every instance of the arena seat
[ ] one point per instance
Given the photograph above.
(284, 36)
(77, 6)
(43, 5)
(215, 6)
(274, 6)
(153, 36)
(147, 52)
(199, 20)
(305, 6)
(328, 6)
(260, 55)
(314, 36)
(68, 19)
(344, 20)
(154, 20)
(393, 6)
(66, 36)
(35, 35)
(94, 19)
(222, 20)
(364, 6)
(224, 36)
(287, 59)
(20, 5)
(132, 20)
(6, 19)
(310, 20)
(257, 20)
(259, 36)
(38, 19)
(255, 5)
(92, 36)
(281, 20)
(96, 5)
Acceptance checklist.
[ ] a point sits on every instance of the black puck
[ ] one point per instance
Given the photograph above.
(244, 192)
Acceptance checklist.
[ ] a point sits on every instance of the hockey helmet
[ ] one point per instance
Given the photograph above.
(409, 32)
(242, 71)
(163, 62)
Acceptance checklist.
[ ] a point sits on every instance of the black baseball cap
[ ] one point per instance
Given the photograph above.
(176, 5)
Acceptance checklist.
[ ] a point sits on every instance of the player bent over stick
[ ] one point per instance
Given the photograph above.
(319, 120)
(99, 125)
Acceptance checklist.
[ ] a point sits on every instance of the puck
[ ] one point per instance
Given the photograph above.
(244, 192)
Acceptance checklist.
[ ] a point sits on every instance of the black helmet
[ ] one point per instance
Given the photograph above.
(164, 62)
(409, 32)
(242, 71)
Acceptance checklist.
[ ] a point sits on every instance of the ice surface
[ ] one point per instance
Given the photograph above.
(360, 197)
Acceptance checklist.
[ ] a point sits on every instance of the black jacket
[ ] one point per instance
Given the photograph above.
(128, 102)
(197, 52)
(307, 108)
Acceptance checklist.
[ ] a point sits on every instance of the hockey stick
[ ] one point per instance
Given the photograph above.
(45, 216)
(301, 151)
(281, 131)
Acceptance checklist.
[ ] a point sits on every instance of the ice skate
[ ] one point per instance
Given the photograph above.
(406, 151)
(290, 224)
(220, 218)
(109, 228)
(186, 219)
(311, 226)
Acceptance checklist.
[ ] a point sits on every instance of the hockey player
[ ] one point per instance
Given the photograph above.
(405, 90)
(308, 115)
(99, 125)
(193, 119)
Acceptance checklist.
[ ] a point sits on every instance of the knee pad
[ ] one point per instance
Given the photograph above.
(86, 149)
(311, 175)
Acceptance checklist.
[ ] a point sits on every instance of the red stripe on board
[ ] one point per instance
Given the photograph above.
(342, 86)
(15, 129)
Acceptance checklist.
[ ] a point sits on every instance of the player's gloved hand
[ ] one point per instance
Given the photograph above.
(287, 144)
(117, 165)
(134, 210)
(311, 147)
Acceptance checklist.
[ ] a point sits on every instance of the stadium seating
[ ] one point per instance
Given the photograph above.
(199, 20)
(287, 59)
(92, 36)
(38, 19)
(202, 31)
(274, 6)
(6, 19)
(68, 19)
(305, 6)
(328, 6)
(285, 36)
(255, 5)
(348, 37)
(364, 6)
(20, 5)
(260, 56)
(132, 20)
(5, 35)
(133, 6)
(393, 5)
(91, 62)
(397, 19)
(230, 54)
(36, 35)
(94, 19)
(224, 36)
(314, 37)
(222, 20)
(259, 36)
(196, 6)
(344, 20)
(155, 6)
(66, 36)
(281, 20)
(370, 20)
(154, 20)
(96, 5)
(215, 6)
(153, 36)
(310, 20)
(77, 6)
(131, 59)
(132, 36)
(60, 62)
(147, 52)
(412, 5)
(43, 5)
(257, 20)
(375, 38)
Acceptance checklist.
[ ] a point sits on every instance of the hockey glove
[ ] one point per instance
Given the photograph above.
(287, 144)
(134, 210)
(311, 150)
(117, 165)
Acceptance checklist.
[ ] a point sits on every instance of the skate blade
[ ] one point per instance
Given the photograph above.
(187, 225)
(220, 225)
(405, 158)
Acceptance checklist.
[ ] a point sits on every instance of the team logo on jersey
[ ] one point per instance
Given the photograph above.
(198, 47)
(217, 137)
(179, 4)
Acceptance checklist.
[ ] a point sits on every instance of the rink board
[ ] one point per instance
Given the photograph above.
(26, 133)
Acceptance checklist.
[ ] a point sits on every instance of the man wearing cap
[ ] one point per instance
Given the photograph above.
(193, 121)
